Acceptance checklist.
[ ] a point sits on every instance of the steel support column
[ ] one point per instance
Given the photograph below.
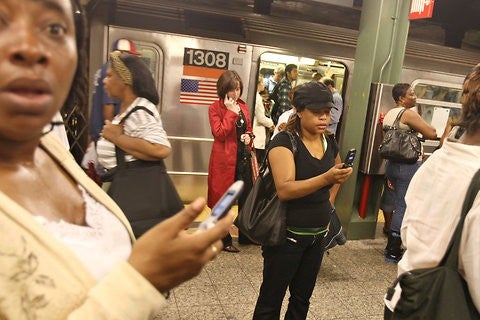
(379, 58)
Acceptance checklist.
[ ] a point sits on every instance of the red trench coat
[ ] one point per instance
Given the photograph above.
(223, 159)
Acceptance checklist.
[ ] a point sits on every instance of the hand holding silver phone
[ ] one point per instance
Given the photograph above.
(223, 205)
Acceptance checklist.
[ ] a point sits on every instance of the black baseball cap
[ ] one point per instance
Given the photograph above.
(313, 95)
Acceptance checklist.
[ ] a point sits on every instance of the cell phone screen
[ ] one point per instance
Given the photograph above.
(223, 206)
(349, 158)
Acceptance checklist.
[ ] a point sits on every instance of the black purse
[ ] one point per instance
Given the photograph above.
(400, 145)
(263, 216)
(438, 293)
(143, 190)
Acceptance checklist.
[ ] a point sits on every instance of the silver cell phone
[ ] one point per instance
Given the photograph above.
(349, 158)
(223, 205)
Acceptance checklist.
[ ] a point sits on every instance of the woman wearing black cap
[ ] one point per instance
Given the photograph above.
(307, 180)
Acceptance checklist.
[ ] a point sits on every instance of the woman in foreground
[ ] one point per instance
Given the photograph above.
(67, 250)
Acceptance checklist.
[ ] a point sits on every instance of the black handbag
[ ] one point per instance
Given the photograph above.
(143, 190)
(263, 216)
(438, 293)
(400, 145)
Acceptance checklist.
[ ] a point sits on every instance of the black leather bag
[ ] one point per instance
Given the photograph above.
(143, 190)
(400, 145)
(263, 215)
(438, 293)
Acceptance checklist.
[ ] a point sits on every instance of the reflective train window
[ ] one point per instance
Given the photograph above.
(438, 102)
(308, 68)
(153, 58)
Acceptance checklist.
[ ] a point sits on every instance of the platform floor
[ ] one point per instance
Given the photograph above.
(350, 286)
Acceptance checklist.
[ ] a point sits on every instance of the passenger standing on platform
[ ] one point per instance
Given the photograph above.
(281, 92)
(262, 124)
(105, 107)
(436, 194)
(308, 181)
(272, 81)
(232, 135)
(66, 250)
(336, 112)
(138, 131)
(399, 173)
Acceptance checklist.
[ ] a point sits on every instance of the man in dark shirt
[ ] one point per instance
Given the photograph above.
(281, 92)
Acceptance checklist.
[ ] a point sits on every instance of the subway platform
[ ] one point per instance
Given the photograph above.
(350, 286)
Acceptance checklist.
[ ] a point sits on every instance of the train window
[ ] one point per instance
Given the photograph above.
(438, 92)
(151, 56)
(307, 68)
(438, 102)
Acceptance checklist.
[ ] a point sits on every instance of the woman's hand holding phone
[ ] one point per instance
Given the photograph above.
(231, 104)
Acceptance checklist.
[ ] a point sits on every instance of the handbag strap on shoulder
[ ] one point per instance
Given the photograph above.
(120, 153)
(293, 141)
(451, 256)
(395, 124)
(136, 108)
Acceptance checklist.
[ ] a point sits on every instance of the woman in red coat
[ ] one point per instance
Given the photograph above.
(232, 132)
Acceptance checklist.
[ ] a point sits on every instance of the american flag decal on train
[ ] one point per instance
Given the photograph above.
(201, 91)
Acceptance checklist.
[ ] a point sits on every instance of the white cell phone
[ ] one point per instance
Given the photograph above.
(223, 205)
(349, 158)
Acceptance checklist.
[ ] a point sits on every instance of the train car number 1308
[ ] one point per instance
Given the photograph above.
(205, 58)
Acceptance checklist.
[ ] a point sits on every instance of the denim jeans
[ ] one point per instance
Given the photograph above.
(295, 265)
(400, 175)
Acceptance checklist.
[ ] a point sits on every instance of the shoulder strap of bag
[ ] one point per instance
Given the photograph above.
(135, 109)
(451, 256)
(264, 165)
(119, 153)
(395, 124)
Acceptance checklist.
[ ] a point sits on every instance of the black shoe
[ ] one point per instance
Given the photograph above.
(393, 251)
(393, 257)
(231, 248)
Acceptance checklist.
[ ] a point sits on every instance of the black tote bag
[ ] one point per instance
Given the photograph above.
(400, 145)
(263, 215)
(143, 190)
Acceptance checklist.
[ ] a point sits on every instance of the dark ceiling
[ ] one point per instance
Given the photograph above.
(454, 23)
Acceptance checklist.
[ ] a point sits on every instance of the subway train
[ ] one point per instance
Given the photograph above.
(187, 47)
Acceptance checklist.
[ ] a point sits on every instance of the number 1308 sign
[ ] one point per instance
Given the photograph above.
(205, 58)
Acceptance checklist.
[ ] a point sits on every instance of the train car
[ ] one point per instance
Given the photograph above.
(188, 46)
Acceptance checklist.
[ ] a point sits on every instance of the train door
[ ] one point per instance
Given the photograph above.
(186, 69)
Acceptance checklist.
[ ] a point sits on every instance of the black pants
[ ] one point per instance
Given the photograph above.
(293, 265)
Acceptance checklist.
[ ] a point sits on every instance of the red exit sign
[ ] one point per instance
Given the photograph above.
(421, 9)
